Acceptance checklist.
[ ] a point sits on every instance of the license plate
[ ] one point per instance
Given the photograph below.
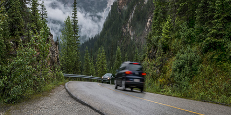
(136, 80)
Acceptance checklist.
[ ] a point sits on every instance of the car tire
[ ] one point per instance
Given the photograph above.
(141, 89)
(115, 84)
(131, 88)
(123, 85)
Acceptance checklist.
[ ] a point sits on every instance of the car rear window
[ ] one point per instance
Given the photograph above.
(134, 67)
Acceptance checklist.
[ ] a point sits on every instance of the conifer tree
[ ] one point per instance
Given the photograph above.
(87, 64)
(92, 66)
(136, 56)
(166, 34)
(2, 38)
(35, 16)
(201, 20)
(66, 54)
(103, 62)
(117, 59)
(98, 63)
(43, 12)
(76, 37)
(126, 57)
(16, 23)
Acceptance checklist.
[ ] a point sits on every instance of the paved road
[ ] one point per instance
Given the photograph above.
(104, 98)
(58, 102)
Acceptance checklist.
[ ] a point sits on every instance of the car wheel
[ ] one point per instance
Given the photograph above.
(101, 81)
(141, 89)
(115, 84)
(123, 85)
(131, 88)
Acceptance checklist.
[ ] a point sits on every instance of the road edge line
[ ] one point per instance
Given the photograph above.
(80, 101)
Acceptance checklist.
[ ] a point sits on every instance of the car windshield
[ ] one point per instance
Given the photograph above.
(107, 75)
(134, 67)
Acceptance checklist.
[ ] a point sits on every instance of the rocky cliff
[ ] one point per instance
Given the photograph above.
(54, 52)
(128, 28)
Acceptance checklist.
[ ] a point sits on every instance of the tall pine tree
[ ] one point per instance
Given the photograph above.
(76, 41)
(15, 20)
(35, 16)
(87, 64)
(117, 59)
(43, 12)
(66, 54)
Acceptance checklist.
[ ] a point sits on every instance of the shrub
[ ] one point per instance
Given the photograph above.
(184, 67)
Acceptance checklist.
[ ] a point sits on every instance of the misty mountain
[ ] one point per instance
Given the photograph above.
(91, 16)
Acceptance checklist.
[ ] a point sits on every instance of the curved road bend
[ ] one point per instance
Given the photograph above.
(106, 99)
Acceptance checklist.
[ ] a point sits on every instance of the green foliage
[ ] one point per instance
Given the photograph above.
(92, 67)
(24, 68)
(69, 49)
(185, 67)
(43, 12)
(15, 20)
(2, 36)
(136, 57)
(87, 64)
(113, 35)
(75, 40)
(101, 63)
(35, 16)
(118, 60)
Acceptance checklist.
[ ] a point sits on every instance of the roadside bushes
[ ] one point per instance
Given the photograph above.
(185, 67)
(28, 72)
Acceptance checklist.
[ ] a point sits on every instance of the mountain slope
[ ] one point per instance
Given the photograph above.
(125, 27)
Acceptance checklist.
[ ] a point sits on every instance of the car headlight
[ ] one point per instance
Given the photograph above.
(108, 78)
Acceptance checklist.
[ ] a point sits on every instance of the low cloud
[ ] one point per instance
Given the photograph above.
(89, 24)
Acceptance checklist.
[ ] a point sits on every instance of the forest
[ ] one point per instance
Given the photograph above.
(27, 66)
(186, 54)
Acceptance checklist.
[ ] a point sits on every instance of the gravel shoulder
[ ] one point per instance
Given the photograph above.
(58, 102)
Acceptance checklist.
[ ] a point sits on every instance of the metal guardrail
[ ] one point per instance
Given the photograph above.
(81, 76)
(85, 77)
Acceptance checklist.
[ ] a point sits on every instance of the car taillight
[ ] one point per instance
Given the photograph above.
(143, 74)
(128, 72)
(136, 63)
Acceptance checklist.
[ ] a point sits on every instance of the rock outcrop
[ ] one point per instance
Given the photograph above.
(54, 52)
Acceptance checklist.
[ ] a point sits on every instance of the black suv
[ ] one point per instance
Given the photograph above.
(130, 74)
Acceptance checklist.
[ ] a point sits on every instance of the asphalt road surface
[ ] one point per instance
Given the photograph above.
(106, 99)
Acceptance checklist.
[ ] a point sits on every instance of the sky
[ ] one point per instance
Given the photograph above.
(89, 24)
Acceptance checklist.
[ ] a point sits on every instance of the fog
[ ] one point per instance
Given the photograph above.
(90, 24)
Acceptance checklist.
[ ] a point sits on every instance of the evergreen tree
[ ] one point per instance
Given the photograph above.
(117, 59)
(66, 54)
(43, 12)
(2, 38)
(98, 63)
(166, 34)
(76, 37)
(35, 16)
(126, 57)
(136, 57)
(201, 20)
(103, 62)
(16, 23)
(87, 64)
(92, 67)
